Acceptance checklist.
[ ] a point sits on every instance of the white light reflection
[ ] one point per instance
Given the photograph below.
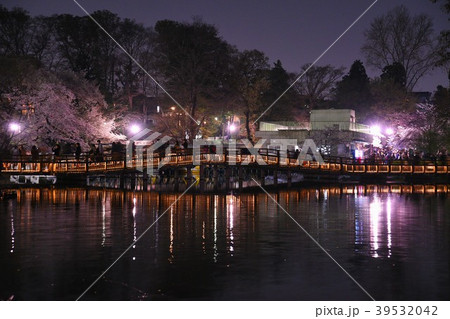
(106, 219)
(171, 236)
(12, 233)
(134, 223)
(388, 212)
(103, 224)
(204, 238)
(375, 210)
(134, 219)
(231, 207)
(215, 228)
(360, 223)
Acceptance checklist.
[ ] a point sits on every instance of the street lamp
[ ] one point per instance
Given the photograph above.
(14, 127)
(134, 128)
(232, 127)
(375, 130)
(389, 131)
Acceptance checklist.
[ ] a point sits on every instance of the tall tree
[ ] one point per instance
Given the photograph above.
(279, 81)
(23, 35)
(442, 115)
(317, 83)
(138, 41)
(432, 123)
(444, 42)
(15, 35)
(353, 91)
(394, 73)
(194, 61)
(445, 6)
(85, 48)
(392, 105)
(398, 37)
(252, 69)
(53, 107)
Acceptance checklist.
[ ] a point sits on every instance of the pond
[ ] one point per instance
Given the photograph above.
(393, 240)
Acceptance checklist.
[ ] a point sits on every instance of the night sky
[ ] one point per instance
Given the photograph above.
(296, 32)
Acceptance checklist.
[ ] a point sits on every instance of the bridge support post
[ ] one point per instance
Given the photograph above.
(189, 175)
(263, 177)
(227, 177)
(240, 176)
(275, 177)
(145, 180)
(202, 178)
(133, 181)
(216, 177)
(289, 178)
(122, 180)
(176, 180)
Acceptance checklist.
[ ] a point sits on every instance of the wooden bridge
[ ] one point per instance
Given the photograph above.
(237, 167)
(265, 158)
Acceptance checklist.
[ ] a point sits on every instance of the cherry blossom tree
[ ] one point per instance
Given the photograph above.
(56, 108)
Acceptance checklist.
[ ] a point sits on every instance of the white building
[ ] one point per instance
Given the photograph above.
(335, 131)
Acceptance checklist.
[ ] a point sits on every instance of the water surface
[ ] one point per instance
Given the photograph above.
(393, 240)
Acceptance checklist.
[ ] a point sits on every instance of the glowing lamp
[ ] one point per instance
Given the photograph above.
(375, 130)
(14, 127)
(232, 128)
(134, 129)
(359, 154)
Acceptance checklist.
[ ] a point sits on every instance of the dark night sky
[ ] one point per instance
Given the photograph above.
(296, 32)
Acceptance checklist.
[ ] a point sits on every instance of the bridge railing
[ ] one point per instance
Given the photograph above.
(110, 162)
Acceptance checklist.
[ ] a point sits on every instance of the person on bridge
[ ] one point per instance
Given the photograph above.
(92, 153)
(99, 147)
(34, 153)
(185, 145)
(99, 154)
(77, 152)
(56, 150)
(23, 153)
(15, 153)
(177, 147)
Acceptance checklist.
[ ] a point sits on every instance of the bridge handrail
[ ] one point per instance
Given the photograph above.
(274, 156)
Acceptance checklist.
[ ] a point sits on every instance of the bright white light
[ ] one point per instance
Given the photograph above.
(377, 141)
(374, 212)
(134, 129)
(14, 127)
(232, 128)
(216, 118)
(158, 109)
(375, 130)
(389, 131)
(359, 154)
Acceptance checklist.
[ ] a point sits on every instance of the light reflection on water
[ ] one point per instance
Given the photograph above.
(393, 239)
(375, 210)
(12, 232)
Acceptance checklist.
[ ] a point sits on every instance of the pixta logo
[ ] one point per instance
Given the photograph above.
(149, 151)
